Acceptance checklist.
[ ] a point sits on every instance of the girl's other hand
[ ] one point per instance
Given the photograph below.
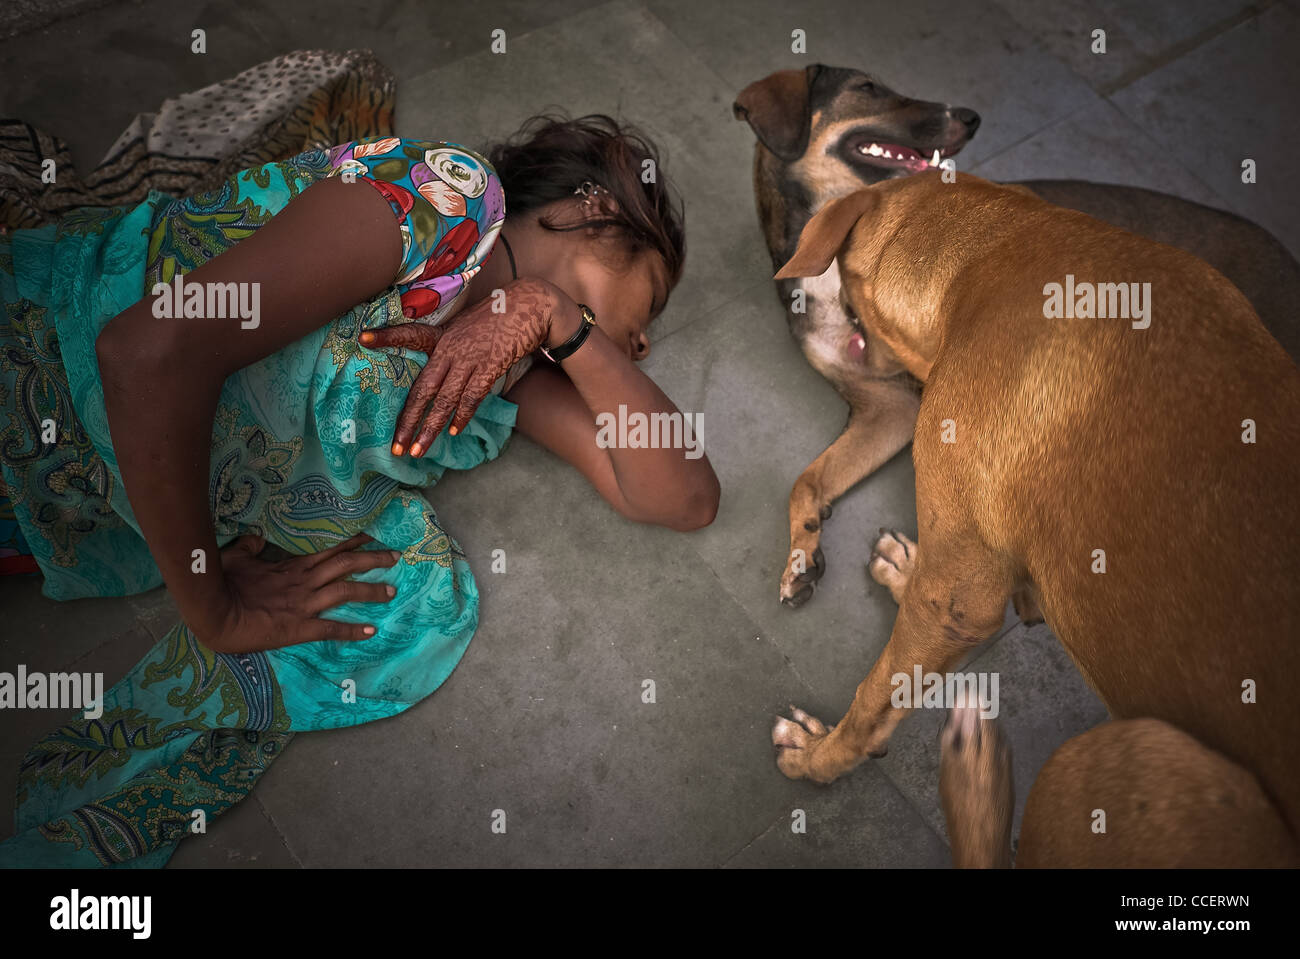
(276, 604)
(467, 355)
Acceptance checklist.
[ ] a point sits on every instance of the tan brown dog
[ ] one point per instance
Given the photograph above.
(1136, 474)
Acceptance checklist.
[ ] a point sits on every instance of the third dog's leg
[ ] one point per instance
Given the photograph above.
(880, 424)
(975, 789)
(954, 599)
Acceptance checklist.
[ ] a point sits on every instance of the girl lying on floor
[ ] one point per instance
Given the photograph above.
(313, 434)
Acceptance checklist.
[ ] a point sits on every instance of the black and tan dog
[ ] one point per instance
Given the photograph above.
(1150, 425)
(824, 132)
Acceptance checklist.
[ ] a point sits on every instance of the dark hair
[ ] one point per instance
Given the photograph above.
(551, 155)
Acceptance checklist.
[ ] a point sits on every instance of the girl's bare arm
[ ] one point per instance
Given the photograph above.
(558, 410)
(334, 246)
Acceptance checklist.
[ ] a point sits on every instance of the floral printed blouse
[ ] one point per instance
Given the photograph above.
(449, 207)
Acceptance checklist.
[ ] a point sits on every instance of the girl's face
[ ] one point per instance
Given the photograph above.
(625, 296)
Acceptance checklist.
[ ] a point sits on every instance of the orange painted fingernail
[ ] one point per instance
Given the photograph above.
(454, 431)
(369, 630)
(367, 337)
(416, 449)
(397, 449)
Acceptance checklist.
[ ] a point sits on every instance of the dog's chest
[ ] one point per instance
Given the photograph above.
(818, 320)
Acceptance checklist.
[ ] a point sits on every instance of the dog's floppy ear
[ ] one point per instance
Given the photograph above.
(777, 108)
(824, 235)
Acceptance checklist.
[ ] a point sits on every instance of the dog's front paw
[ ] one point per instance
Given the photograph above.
(806, 566)
(798, 744)
(892, 559)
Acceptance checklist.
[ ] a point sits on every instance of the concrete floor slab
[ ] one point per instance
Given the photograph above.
(1230, 99)
(1100, 144)
(1139, 36)
(546, 718)
(49, 636)
(970, 54)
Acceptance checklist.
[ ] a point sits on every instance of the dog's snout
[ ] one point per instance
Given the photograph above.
(969, 118)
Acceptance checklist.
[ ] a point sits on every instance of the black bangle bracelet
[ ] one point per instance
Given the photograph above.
(570, 346)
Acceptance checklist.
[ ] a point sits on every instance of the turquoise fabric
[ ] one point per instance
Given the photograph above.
(300, 455)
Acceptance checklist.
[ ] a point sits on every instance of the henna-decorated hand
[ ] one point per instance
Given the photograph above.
(467, 355)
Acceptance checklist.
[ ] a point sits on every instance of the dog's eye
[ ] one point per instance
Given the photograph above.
(866, 86)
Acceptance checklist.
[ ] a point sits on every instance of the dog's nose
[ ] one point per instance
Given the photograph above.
(969, 118)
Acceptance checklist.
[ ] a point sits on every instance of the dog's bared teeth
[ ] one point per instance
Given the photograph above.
(934, 160)
(872, 150)
(889, 155)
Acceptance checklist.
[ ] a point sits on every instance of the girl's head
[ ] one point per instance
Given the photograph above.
(597, 183)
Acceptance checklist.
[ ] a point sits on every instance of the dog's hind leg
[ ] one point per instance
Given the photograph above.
(881, 423)
(892, 556)
(955, 598)
(1140, 793)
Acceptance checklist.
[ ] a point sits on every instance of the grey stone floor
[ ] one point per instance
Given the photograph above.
(543, 716)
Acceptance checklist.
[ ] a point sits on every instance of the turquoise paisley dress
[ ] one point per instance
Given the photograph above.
(300, 455)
